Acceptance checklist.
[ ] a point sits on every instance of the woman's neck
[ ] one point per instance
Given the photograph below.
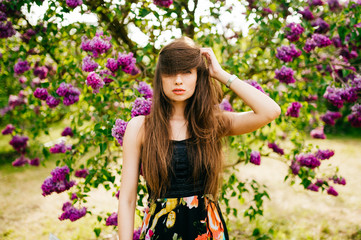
(178, 111)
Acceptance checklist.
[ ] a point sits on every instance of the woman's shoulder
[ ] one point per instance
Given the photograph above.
(135, 127)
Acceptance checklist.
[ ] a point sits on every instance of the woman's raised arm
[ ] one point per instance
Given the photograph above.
(129, 180)
(265, 110)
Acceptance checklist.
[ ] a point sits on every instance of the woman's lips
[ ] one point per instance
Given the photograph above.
(178, 91)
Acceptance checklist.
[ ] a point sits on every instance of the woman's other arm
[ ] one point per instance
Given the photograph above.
(132, 142)
(265, 110)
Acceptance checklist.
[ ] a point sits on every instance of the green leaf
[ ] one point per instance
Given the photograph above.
(97, 231)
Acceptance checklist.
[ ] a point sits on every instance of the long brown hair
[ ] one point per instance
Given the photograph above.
(205, 124)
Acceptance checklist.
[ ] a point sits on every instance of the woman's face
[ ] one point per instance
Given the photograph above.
(179, 87)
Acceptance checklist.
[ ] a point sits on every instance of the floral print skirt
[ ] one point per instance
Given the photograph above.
(186, 218)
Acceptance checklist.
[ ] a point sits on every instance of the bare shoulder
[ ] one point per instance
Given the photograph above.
(135, 129)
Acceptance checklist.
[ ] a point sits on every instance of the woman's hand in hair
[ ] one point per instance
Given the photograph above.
(215, 69)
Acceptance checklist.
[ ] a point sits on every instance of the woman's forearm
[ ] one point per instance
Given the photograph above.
(259, 102)
(126, 212)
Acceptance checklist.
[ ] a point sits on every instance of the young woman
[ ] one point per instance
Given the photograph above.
(178, 146)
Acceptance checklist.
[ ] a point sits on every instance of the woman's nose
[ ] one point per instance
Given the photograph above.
(178, 79)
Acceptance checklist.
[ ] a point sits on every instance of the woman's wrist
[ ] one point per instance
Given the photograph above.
(222, 76)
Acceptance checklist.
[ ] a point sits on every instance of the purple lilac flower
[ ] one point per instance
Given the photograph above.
(321, 25)
(345, 52)
(35, 162)
(127, 62)
(112, 64)
(89, 65)
(22, 79)
(74, 3)
(287, 53)
(52, 101)
(295, 32)
(255, 158)
(67, 132)
(105, 75)
(21, 161)
(141, 106)
(339, 180)
(320, 182)
(294, 109)
(276, 148)
(163, 3)
(85, 44)
(336, 41)
(355, 117)
(117, 194)
(136, 233)
(6, 29)
(308, 160)
(349, 94)
(70, 93)
(27, 35)
(60, 173)
(225, 105)
(95, 81)
(72, 213)
(321, 40)
(313, 187)
(3, 16)
(356, 83)
(311, 98)
(58, 148)
(255, 84)
(118, 130)
(112, 220)
(19, 143)
(73, 196)
(324, 154)
(333, 95)
(41, 93)
(318, 133)
(57, 182)
(21, 67)
(267, 10)
(307, 14)
(332, 191)
(309, 45)
(295, 167)
(82, 173)
(285, 75)
(35, 81)
(8, 129)
(144, 89)
(315, 2)
(330, 117)
(100, 44)
(41, 72)
(333, 5)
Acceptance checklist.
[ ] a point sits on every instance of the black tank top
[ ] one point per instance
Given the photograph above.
(182, 182)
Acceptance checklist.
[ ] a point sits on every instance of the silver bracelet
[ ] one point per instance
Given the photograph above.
(230, 80)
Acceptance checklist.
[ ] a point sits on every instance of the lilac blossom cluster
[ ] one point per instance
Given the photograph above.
(225, 105)
(276, 148)
(127, 62)
(347, 55)
(19, 143)
(105, 73)
(27, 35)
(82, 173)
(318, 133)
(339, 180)
(163, 3)
(52, 101)
(112, 64)
(74, 3)
(295, 167)
(21, 66)
(317, 40)
(6, 29)
(294, 32)
(307, 14)
(313, 187)
(69, 92)
(255, 84)
(67, 132)
(141, 106)
(136, 233)
(41, 93)
(118, 130)
(355, 117)
(57, 182)
(330, 117)
(94, 81)
(294, 109)
(8, 129)
(98, 45)
(324, 154)
(255, 158)
(315, 2)
(41, 71)
(16, 100)
(72, 213)
(112, 220)
(89, 65)
(285, 75)
(287, 53)
(332, 191)
(21, 161)
(60, 148)
(144, 89)
(308, 160)
(73, 196)
(334, 5)
(320, 25)
(337, 96)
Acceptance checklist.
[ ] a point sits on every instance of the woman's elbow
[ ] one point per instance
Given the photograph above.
(274, 113)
